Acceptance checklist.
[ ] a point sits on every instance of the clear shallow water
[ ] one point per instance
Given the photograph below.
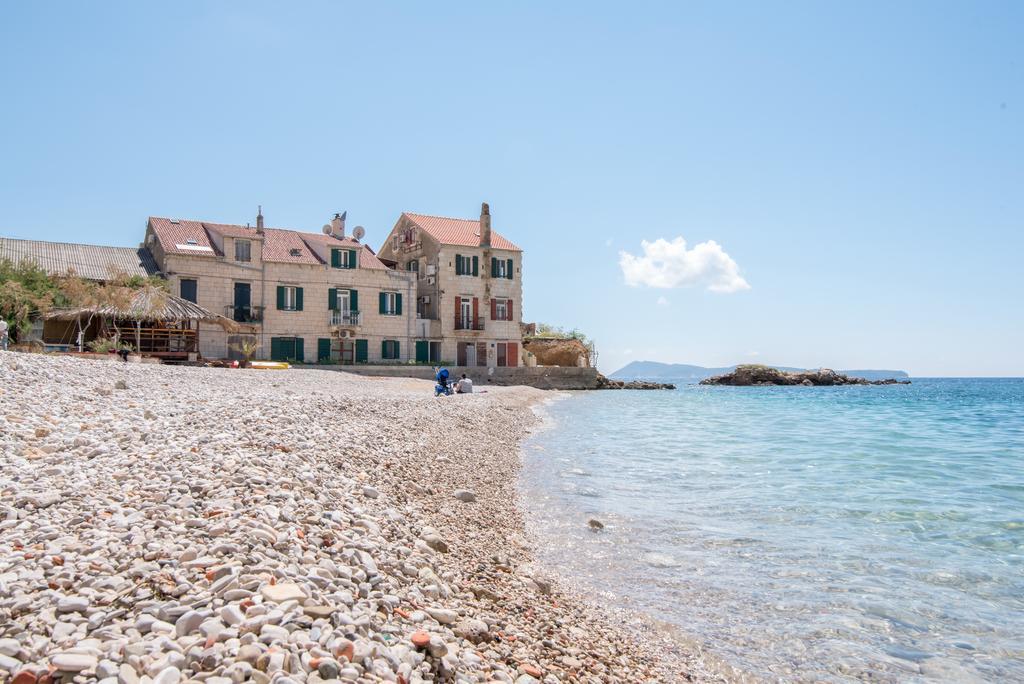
(829, 533)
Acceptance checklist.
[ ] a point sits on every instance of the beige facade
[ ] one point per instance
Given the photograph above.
(278, 285)
(468, 284)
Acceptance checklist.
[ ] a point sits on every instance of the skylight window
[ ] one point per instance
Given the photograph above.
(191, 241)
(295, 251)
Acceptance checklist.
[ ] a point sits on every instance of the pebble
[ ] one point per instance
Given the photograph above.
(73, 662)
(465, 495)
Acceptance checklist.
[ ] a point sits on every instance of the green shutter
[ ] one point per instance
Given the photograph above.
(280, 297)
(275, 349)
(384, 349)
(353, 300)
(398, 350)
(332, 299)
(383, 300)
(298, 299)
(299, 352)
(398, 304)
(494, 267)
(422, 351)
(353, 259)
(362, 351)
(458, 264)
(335, 258)
(476, 265)
(323, 349)
(508, 269)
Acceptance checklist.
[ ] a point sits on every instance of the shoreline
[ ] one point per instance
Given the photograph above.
(139, 493)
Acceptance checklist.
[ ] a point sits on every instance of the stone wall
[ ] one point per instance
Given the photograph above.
(541, 377)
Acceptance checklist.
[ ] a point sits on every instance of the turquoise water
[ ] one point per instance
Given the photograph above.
(831, 533)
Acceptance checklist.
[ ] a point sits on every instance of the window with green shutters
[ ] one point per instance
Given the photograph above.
(344, 258)
(289, 298)
(501, 268)
(467, 265)
(422, 351)
(390, 304)
(390, 350)
(362, 351)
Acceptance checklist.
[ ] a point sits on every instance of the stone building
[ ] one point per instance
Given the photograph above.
(301, 296)
(469, 290)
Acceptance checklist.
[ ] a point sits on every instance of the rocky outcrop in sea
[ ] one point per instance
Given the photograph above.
(748, 375)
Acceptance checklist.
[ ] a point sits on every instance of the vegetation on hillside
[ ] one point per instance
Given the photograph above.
(546, 331)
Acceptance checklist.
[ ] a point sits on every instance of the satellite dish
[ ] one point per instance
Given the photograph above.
(358, 232)
(327, 229)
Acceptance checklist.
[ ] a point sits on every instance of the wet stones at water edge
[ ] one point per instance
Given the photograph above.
(605, 383)
(754, 375)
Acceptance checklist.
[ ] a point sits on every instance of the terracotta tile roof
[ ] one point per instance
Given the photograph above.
(92, 262)
(278, 243)
(183, 237)
(460, 232)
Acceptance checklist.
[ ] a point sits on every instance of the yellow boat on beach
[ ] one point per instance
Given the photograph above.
(269, 365)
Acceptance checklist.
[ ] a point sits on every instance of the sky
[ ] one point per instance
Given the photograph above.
(804, 184)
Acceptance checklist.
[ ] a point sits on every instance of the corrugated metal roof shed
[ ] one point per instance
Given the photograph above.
(93, 262)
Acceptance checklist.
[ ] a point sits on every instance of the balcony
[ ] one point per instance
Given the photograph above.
(469, 323)
(244, 314)
(346, 318)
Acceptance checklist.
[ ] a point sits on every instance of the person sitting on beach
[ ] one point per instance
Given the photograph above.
(464, 386)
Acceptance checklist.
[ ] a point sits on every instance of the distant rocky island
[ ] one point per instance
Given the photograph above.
(754, 374)
(682, 373)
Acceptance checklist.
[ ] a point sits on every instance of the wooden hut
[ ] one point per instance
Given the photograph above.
(153, 322)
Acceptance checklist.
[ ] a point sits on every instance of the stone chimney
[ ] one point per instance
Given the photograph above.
(485, 225)
(259, 219)
(338, 225)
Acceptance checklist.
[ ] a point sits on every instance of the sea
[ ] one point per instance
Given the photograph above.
(798, 533)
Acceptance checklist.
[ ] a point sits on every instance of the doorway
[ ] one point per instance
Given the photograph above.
(243, 302)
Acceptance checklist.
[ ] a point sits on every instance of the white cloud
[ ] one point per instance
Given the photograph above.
(663, 301)
(667, 264)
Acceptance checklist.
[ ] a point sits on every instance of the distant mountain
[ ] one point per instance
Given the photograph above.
(685, 373)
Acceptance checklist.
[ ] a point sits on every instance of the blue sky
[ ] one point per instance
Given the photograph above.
(861, 165)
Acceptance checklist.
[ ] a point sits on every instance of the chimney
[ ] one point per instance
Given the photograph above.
(338, 225)
(259, 219)
(485, 225)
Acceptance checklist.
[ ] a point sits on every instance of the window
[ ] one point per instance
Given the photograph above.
(289, 298)
(344, 258)
(467, 265)
(413, 266)
(190, 290)
(390, 304)
(502, 268)
(501, 310)
(243, 250)
(295, 252)
(287, 349)
(389, 350)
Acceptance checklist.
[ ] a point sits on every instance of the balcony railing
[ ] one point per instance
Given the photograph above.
(346, 317)
(244, 314)
(469, 323)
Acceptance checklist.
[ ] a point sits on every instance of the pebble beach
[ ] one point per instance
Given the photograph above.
(169, 524)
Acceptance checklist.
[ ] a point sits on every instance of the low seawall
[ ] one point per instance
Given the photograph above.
(541, 377)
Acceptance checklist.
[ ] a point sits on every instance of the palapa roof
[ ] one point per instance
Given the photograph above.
(92, 262)
(148, 304)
